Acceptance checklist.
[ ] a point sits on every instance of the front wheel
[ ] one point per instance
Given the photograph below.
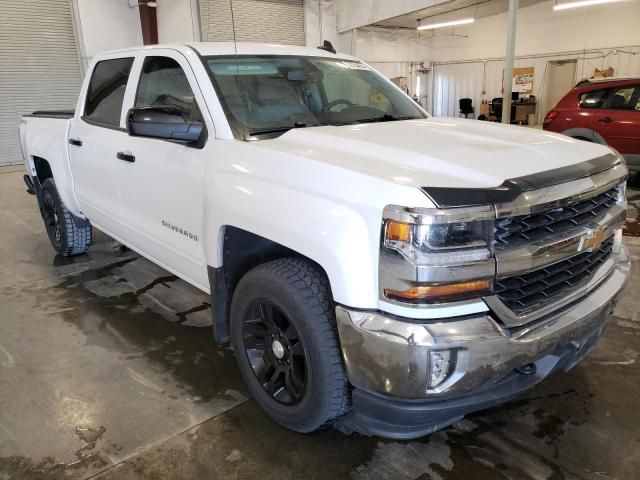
(283, 335)
(69, 235)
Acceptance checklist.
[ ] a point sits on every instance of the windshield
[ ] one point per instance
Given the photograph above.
(271, 94)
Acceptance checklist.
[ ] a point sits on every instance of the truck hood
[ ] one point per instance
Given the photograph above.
(437, 152)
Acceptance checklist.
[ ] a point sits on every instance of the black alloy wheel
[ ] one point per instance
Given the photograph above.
(275, 352)
(51, 219)
(283, 333)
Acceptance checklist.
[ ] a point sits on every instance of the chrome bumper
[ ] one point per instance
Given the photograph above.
(389, 356)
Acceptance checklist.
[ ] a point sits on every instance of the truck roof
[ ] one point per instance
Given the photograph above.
(241, 48)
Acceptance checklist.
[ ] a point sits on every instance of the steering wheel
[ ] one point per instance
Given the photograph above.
(339, 101)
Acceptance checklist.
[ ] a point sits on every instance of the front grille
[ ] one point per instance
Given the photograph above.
(539, 287)
(522, 230)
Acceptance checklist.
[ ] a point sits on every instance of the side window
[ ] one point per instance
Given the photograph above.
(624, 98)
(106, 91)
(594, 99)
(164, 83)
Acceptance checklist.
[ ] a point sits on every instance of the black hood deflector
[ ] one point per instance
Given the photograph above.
(510, 189)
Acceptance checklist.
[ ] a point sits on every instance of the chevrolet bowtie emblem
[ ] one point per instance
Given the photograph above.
(592, 240)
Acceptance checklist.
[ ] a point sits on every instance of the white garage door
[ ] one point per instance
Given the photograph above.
(269, 21)
(39, 65)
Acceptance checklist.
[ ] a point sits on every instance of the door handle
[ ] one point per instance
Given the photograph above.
(76, 142)
(127, 157)
(605, 120)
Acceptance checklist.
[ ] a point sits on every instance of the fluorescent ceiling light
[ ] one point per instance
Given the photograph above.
(581, 3)
(452, 23)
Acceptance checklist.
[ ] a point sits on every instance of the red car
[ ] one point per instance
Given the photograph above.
(606, 111)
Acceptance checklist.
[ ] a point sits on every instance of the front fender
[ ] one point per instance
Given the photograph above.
(329, 214)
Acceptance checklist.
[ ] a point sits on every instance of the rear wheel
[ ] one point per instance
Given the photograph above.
(282, 329)
(69, 235)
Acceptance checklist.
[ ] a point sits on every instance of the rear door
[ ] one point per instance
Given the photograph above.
(619, 120)
(162, 183)
(95, 133)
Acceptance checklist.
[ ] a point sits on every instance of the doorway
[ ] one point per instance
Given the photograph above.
(561, 77)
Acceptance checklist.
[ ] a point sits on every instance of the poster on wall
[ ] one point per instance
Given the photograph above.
(522, 80)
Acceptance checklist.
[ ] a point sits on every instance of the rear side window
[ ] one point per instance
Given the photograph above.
(106, 91)
(594, 99)
(163, 83)
(624, 98)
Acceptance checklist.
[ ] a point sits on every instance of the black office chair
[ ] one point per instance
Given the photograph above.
(466, 107)
(496, 108)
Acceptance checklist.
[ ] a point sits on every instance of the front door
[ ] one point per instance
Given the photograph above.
(161, 181)
(93, 139)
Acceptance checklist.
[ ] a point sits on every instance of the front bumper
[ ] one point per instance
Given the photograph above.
(387, 360)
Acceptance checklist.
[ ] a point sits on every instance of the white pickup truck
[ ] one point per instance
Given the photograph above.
(374, 267)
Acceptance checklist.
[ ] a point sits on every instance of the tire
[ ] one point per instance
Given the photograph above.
(297, 294)
(69, 235)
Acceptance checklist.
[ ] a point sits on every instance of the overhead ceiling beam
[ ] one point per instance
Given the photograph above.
(359, 13)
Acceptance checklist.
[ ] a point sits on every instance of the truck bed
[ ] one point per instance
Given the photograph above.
(62, 113)
(43, 135)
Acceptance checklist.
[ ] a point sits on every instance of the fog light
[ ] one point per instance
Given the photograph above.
(617, 242)
(441, 364)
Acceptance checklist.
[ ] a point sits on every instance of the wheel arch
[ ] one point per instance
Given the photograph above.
(585, 134)
(43, 169)
(241, 251)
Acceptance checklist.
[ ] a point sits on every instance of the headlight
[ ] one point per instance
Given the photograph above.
(442, 243)
(440, 255)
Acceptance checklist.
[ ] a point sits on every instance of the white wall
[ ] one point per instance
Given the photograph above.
(483, 79)
(106, 25)
(178, 21)
(472, 67)
(394, 52)
(541, 30)
(320, 22)
(359, 13)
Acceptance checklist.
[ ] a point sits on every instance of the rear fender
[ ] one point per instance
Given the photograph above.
(46, 154)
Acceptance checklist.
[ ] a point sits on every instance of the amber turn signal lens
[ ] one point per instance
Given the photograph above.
(398, 231)
(431, 292)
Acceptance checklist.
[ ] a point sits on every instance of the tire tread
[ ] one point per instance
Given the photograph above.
(310, 284)
(77, 234)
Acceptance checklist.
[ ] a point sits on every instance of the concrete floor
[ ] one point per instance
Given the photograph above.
(108, 369)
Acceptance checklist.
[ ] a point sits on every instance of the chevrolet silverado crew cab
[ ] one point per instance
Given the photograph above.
(373, 267)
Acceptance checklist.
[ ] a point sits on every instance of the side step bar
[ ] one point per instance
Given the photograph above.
(28, 181)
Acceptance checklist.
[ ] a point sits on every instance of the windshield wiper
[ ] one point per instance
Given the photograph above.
(383, 118)
(284, 128)
(386, 118)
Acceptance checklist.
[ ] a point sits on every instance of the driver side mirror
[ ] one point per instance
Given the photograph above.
(162, 122)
